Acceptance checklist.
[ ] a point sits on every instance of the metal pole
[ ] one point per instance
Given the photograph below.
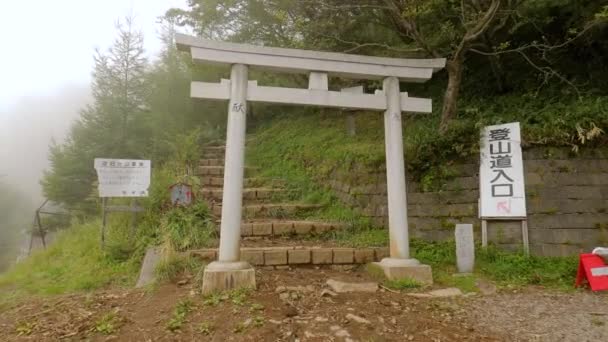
(232, 202)
(395, 172)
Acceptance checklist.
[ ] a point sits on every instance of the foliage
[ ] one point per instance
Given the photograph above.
(173, 265)
(108, 323)
(182, 309)
(74, 262)
(189, 227)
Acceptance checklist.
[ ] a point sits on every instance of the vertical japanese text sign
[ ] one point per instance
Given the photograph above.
(123, 177)
(501, 173)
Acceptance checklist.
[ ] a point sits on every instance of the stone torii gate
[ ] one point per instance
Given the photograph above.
(229, 271)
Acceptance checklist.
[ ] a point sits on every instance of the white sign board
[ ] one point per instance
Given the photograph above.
(123, 177)
(501, 173)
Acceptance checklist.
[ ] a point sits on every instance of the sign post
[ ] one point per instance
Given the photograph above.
(501, 179)
(121, 178)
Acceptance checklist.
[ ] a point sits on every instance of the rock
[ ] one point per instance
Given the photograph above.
(284, 296)
(321, 319)
(357, 319)
(485, 287)
(419, 295)
(182, 282)
(328, 293)
(344, 287)
(449, 292)
(280, 289)
(275, 322)
(342, 333)
(291, 311)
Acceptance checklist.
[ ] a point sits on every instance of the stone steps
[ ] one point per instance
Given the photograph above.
(211, 162)
(249, 194)
(271, 210)
(301, 255)
(219, 170)
(282, 228)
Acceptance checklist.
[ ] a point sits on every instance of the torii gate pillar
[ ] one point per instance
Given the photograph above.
(399, 264)
(229, 271)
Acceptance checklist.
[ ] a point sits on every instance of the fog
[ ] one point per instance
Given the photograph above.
(27, 130)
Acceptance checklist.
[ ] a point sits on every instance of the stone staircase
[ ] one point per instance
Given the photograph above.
(274, 229)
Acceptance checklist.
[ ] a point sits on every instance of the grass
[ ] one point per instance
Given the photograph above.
(173, 265)
(73, 263)
(108, 323)
(504, 268)
(180, 313)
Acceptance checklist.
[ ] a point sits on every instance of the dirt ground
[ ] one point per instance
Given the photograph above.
(297, 311)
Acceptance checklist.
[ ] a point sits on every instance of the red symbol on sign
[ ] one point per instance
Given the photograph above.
(505, 206)
(584, 274)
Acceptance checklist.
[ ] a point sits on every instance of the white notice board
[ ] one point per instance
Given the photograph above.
(501, 173)
(123, 177)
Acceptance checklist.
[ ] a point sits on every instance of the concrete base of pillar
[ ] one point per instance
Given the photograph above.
(406, 268)
(222, 276)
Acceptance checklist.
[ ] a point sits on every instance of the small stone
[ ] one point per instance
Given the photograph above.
(247, 322)
(357, 319)
(449, 292)
(342, 333)
(280, 289)
(321, 319)
(343, 287)
(182, 282)
(328, 293)
(275, 322)
(394, 321)
(291, 311)
(284, 296)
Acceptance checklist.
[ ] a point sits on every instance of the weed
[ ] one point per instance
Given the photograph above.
(256, 307)
(239, 296)
(107, 324)
(172, 265)
(213, 299)
(205, 328)
(182, 309)
(597, 322)
(402, 284)
(25, 328)
(239, 328)
(258, 321)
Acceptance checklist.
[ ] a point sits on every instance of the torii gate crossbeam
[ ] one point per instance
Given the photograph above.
(229, 271)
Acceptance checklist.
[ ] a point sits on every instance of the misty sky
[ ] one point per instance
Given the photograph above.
(46, 62)
(48, 44)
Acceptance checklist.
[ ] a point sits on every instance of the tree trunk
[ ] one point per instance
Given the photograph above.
(450, 100)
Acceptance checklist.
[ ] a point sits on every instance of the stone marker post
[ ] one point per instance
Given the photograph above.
(465, 248)
(229, 272)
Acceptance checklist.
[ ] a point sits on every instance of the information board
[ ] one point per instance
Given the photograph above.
(501, 173)
(123, 177)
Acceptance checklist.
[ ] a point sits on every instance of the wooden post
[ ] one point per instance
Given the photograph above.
(40, 230)
(134, 205)
(484, 233)
(524, 236)
(103, 221)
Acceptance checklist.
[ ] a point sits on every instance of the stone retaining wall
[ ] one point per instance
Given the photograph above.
(567, 200)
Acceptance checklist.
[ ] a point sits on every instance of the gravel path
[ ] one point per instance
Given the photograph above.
(542, 316)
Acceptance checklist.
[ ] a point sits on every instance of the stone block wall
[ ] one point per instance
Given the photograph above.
(567, 201)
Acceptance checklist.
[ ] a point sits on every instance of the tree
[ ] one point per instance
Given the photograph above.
(106, 127)
(532, 30)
